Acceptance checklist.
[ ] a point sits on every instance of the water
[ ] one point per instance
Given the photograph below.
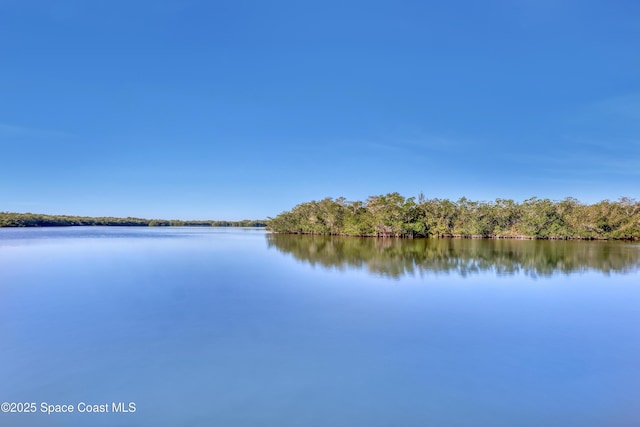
(236, 327)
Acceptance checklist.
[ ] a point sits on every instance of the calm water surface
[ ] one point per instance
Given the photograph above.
(236, 327)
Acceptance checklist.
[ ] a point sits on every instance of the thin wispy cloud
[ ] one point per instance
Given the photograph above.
(415, 145)
(417, 142)
(619, 113)
(10, 130)
(591, 158)
(626, 106)
(23, 203)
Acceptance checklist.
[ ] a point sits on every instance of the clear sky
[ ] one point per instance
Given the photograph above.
(243, 109)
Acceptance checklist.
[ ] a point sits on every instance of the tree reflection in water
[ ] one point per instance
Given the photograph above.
(395, 257)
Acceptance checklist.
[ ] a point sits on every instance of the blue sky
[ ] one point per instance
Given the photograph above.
(243, 109)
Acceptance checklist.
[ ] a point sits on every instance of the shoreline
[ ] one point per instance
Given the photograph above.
(29, 220)
(453, 236)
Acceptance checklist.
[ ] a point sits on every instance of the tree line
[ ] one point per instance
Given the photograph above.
(12, 219)
(392, 215)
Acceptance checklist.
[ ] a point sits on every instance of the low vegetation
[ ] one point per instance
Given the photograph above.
(392, 215)
(10, 219)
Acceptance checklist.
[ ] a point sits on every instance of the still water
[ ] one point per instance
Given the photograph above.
(237, 327)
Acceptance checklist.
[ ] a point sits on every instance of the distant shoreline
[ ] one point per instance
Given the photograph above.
(23, 220)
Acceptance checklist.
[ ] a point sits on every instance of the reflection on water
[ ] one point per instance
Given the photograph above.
(211, 327)
(399, 257)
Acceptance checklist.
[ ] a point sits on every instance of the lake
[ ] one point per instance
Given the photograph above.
(238, 327)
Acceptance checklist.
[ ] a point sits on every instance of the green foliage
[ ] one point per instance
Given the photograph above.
(391, 215)
(10, 219)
